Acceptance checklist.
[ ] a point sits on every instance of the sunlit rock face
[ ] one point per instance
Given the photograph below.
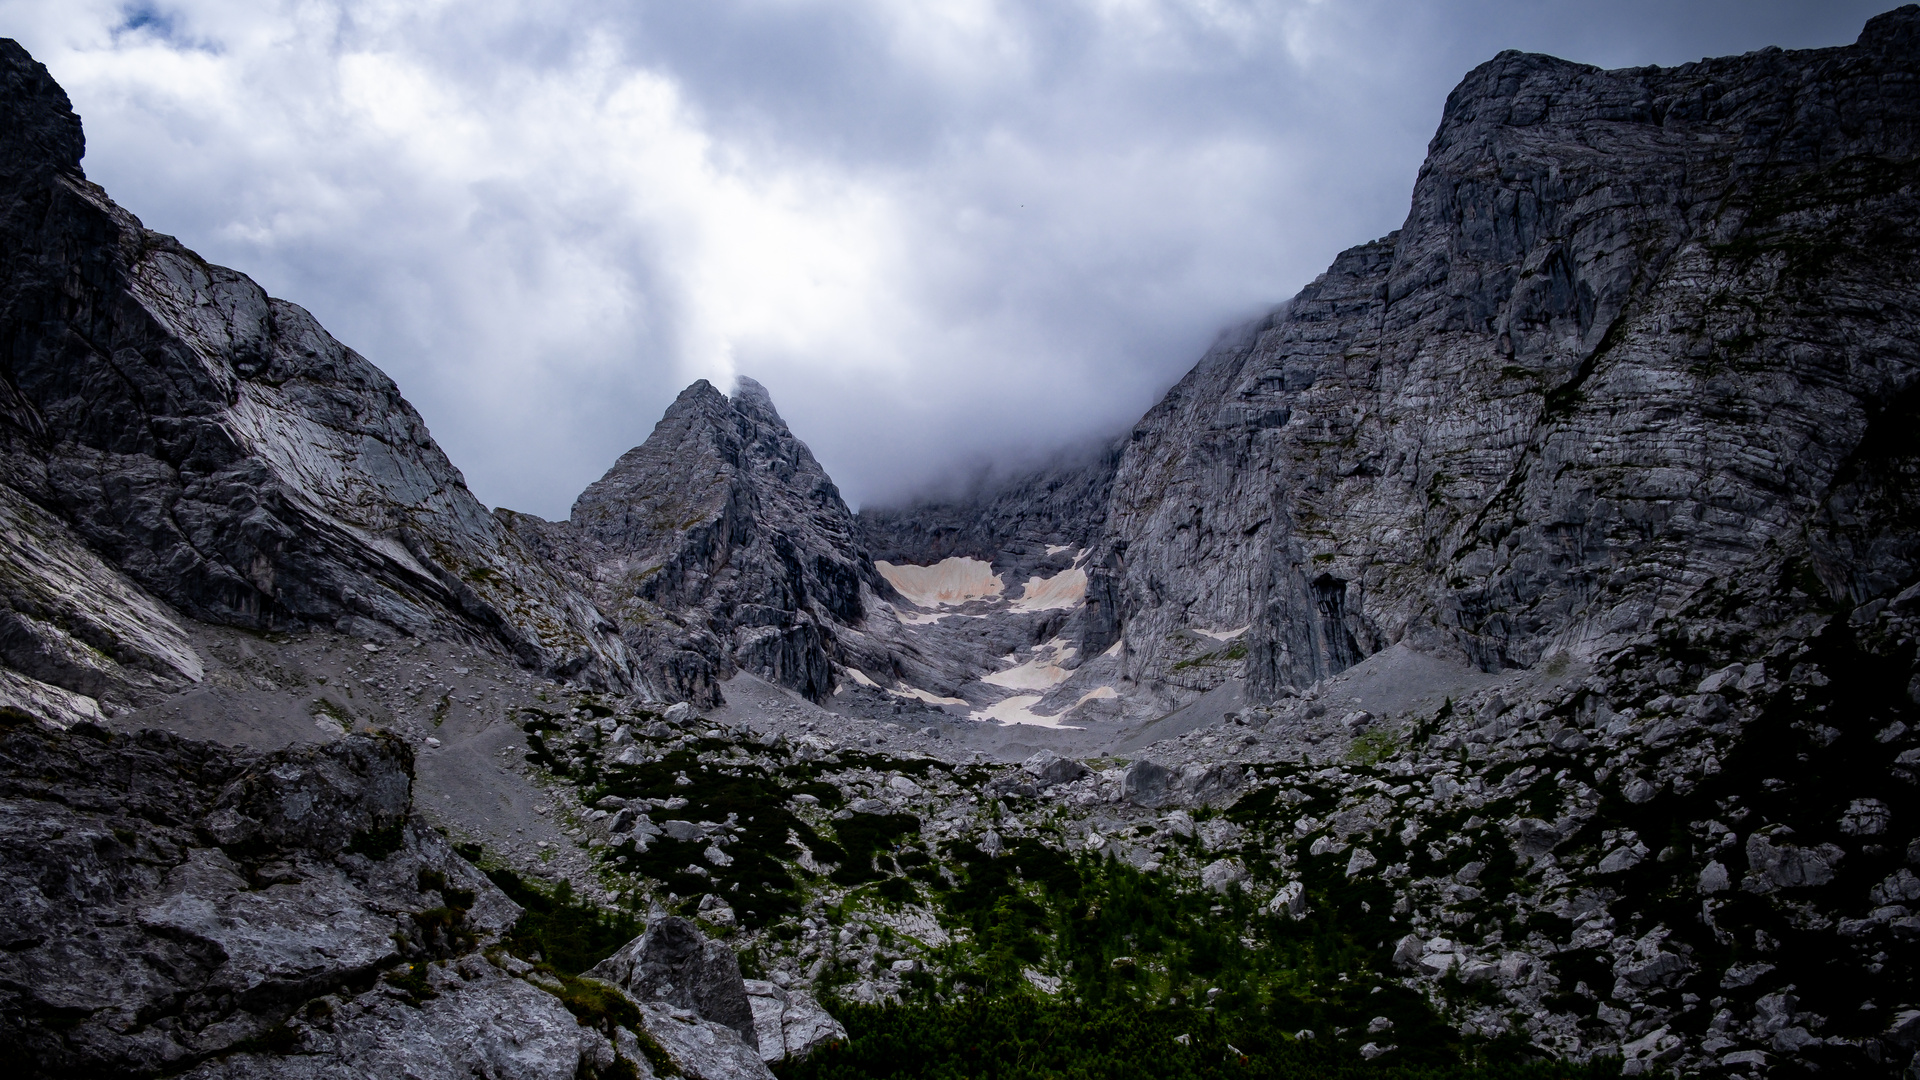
(1636, 327)
(720, 545)
(220, 451)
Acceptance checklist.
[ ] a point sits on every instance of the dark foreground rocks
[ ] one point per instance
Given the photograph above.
(172, 906)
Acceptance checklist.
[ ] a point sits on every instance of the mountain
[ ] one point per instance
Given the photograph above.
(720, 545)
(177, 443)
(1499, 657)
(1640, 332)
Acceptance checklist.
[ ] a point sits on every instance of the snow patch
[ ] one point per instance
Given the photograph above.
(948, 582)
(1098, 693)
(1018, 710)
(932, 699)
(1065, 589)
(1043, 672)
(1220, 635)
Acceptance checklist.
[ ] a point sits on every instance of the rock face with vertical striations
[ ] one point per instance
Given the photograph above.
(720, 545)
(174, 441)
(1634, 329)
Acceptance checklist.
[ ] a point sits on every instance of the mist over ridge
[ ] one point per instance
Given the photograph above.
(938, 236)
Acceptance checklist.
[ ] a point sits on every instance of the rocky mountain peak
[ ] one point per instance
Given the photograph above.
(39, 130)
(722, 546)
(179, 443)
(1483, 432)
(750, 397)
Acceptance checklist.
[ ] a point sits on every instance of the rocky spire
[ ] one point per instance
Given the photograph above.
(720, 545)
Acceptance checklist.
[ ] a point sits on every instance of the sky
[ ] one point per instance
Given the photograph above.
(947, 235)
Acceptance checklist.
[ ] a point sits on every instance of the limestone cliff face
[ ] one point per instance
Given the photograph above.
(720, 545)
(1632, 330)
(172, 432)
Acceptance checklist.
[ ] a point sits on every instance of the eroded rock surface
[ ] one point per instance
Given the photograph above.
(721, 546)
(220, 451)
(167, 900)
(674, 963)
(1631, 334)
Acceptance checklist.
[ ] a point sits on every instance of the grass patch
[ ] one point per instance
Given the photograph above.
(1016, 1039)
(557, 930)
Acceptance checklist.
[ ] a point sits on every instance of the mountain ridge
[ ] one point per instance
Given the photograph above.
(1503, 650)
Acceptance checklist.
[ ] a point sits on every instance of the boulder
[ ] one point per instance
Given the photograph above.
(789, 1023)
(699, 1048)
(1147, 784)
(674, 963)
(1222, 874)
(1050, 768)
(1773, 863)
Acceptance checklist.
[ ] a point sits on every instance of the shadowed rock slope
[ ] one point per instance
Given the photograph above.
(175, 442)
(721, 546)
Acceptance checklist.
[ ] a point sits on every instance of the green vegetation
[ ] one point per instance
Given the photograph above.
(558, 931)
(1372, 747)
(1015, 1039)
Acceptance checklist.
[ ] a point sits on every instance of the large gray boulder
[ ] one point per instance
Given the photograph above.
(1147, 784)
(698, 1048)
(1050, 768)
(478, 1022)
(674, 964)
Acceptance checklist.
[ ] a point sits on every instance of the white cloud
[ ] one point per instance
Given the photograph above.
(939, 232)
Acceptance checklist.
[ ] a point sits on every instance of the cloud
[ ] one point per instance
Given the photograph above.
(941, 233)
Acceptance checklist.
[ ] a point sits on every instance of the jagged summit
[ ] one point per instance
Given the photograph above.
(720, 545)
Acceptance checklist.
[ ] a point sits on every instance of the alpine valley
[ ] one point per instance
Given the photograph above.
(1499, 659)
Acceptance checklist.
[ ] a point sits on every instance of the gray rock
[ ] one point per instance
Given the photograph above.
(479, 1022)
(1775, 864)
(789, 1023)
(221, 452)
(1147, 784)
(1866, 817)
(699, 1048)
(673, 963)
(1213, 784)
(1714, 878)
(133, 945)
(1050, 768)
(1222, 874)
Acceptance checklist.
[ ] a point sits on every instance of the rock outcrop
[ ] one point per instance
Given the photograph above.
(674, 963)
(179, 442)
(167, 902)
(789, 1023)
(720, 545)
(709, 1021)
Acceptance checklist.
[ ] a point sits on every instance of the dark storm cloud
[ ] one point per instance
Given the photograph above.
(942, 234)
